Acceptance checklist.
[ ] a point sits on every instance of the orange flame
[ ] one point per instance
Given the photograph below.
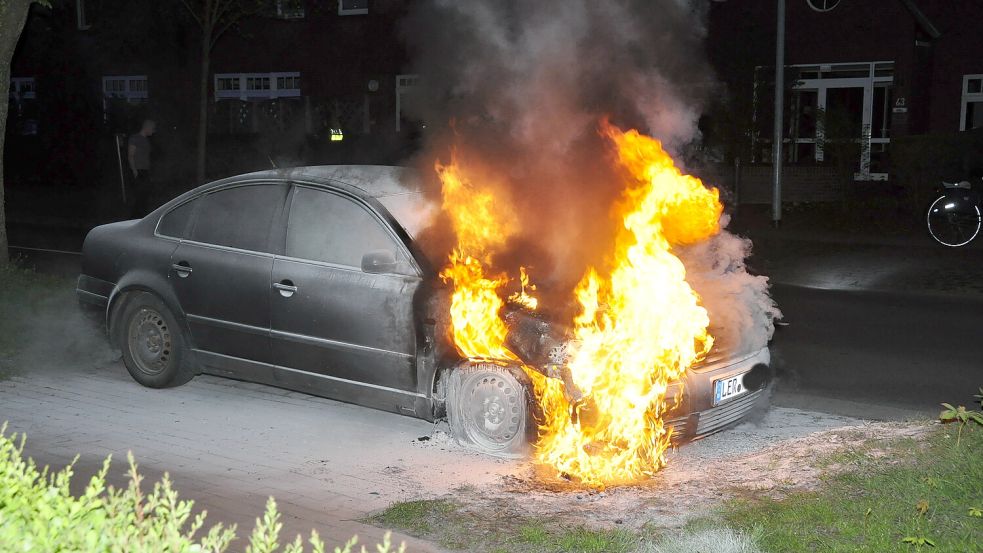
(482, 222)
(638, 330)
(523, 296)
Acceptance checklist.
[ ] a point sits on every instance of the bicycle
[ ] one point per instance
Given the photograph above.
(954, 217)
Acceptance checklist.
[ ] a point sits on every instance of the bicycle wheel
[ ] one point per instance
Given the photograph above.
(953, 221)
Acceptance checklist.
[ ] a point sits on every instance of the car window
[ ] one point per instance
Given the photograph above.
(331, 228)
(239, 217)
(174, 223)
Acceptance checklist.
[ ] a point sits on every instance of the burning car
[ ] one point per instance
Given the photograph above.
(311, 279)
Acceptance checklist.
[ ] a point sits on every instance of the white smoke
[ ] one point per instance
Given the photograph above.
(519, 87)
(742, 314)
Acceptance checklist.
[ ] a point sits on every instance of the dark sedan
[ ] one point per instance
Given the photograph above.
(309, 279)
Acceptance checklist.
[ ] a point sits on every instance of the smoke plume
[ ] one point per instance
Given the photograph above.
(517, 89)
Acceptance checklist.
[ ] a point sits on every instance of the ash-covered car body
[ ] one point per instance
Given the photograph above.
(310, 279)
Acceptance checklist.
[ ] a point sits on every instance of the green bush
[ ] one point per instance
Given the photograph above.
(920, 163)
(38, 513)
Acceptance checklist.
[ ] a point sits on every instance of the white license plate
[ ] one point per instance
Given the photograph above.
(727, 388)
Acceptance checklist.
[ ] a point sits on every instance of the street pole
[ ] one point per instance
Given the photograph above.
(777, 144)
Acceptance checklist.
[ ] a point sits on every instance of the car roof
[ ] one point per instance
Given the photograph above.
(376, 181)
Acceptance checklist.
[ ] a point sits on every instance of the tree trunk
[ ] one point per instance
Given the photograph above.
(206, 53)
(13, 15)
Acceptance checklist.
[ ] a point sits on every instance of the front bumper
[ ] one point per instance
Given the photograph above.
(695, 416)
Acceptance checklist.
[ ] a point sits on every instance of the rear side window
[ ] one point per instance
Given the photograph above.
(175, 222)
(334, 229)
(239, 217)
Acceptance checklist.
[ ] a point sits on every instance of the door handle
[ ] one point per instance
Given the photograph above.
(286, 287)
(182, 268)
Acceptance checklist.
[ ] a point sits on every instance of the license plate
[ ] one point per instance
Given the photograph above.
(727, 388)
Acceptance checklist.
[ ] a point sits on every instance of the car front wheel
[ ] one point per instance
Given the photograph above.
(154, 350)
(488, 410)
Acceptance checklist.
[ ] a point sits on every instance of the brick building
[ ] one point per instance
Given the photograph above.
(282, 83)
(860, 73)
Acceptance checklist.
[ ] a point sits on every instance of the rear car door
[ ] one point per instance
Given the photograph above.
(221, 273)
(331, 318)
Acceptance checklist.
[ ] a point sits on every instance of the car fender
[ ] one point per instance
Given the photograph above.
(142, 280)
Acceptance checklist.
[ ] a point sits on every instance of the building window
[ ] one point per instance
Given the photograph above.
(23, 88)
(81, 19)
(833, 110)
(132, 88)
(353, 7)
(256, 86)
(290, 9)
(823, 5)
(257, 83)
(971, 115)
(405, 85)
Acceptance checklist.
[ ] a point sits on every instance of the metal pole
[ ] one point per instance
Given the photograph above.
(122, 180)
(777, 143)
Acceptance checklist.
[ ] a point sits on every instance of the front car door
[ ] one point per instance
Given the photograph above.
(221, 274)
(338, 330)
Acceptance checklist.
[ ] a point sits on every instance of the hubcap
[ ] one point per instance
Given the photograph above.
(149, 340)
(494, 409)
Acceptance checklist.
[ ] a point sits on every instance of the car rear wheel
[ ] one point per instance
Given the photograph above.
(154, 350)
(488, 410)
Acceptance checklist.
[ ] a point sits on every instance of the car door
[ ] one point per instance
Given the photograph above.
(331, 318)
(221, 273)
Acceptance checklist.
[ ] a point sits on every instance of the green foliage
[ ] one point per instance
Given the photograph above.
(38, 513)
(904, 496)
(497, 530)
(919, 163)
(961, 415)
(418, 517)
(21, 293)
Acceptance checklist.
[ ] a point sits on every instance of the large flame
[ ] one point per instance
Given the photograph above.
(638, 330)
(482, 223)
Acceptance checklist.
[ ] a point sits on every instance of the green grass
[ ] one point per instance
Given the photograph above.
(22, 292)
(448, 524)
(911, 489)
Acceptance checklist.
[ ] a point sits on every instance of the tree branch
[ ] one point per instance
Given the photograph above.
(191, 10)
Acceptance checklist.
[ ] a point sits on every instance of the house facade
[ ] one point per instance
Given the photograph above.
(859, 75)
(303, 81)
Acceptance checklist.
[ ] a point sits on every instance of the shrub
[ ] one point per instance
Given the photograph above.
(38, 513)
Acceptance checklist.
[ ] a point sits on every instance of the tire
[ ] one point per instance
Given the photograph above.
(953, 221)
(154, 348)
(488, 409)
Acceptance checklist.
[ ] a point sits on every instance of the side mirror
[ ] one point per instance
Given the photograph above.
(379, 261)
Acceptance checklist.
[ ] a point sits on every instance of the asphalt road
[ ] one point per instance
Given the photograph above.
(852, 351)
(877, 354)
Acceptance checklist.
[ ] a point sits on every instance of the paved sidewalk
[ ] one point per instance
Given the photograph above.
(229, 445)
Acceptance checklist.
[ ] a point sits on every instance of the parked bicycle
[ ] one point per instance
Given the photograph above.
(954, 218)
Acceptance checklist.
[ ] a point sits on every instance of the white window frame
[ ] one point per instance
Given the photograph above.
(822, 85)
(283, 13)
(969, 98)
(81, 20)
(130, 95)
(17, 87)
(265, 94)
(404, 83)
(342, 10)
(826, 5)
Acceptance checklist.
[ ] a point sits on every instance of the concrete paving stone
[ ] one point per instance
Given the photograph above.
(227, 445)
